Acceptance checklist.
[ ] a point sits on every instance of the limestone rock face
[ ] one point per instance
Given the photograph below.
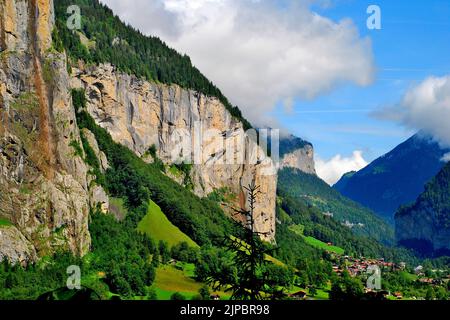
(98, 197)
(184, 125)
(15, 247)
(44, 188)
(302, 159)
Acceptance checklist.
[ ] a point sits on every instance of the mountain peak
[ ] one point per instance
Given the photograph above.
(395, 178)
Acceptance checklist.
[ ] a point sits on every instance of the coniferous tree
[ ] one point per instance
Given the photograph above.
(249, 257)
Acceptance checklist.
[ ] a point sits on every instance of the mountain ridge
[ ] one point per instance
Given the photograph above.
(396, 178)
(425, 224)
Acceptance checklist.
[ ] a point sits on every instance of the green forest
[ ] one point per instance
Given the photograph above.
(316, 192)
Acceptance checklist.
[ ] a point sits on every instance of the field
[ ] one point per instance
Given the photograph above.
(170, 279)
(298, 229)
(156, 225)
(322, 245)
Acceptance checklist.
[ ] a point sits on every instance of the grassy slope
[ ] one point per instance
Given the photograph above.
(156, 225)
(170, 280)
(322, 245)
(298, 229)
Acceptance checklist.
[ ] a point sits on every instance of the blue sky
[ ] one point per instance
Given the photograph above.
(414, 43)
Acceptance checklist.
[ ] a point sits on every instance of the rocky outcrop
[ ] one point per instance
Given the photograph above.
(186, 126)
(302, 159)
(44, 187)
(297, 153)
(14, 246)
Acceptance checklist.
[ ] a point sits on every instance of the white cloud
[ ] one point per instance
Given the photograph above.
(425, 107)
(332, 170)
(258, 52)
(446, 157)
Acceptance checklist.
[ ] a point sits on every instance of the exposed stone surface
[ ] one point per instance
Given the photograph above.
(98, 197)
(139, 114)
(14, 246)
(302, 159)
(46, 189)
(43, 184)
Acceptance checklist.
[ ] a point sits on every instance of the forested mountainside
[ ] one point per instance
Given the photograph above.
(396, 178)
(297, 214)
(108, 39)
(318, 193)
(425, 224)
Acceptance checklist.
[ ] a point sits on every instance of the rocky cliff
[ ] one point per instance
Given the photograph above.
(44, 182)
(298, 154)
(425, 225)
(183, 125)
(47, 189)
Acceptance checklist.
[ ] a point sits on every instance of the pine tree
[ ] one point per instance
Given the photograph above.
(249, 256)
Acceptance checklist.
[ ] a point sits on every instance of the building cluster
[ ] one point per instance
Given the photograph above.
(358, 266)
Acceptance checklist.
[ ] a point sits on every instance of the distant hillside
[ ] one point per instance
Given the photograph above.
(315, 191)
(396, 178)
(425, 225)
(300, 224)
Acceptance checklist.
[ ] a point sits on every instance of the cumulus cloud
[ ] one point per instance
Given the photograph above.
(425, 107)
(332, 170)
(259, 52)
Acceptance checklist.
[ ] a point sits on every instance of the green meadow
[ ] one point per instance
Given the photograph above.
(156, 225)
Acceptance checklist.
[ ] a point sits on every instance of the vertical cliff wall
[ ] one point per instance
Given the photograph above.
(44, 194)
(139, 114)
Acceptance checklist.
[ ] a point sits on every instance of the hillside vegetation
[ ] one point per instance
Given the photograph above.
(314, 191)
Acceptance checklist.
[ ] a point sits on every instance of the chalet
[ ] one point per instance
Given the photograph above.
(215, 297)
(300, 295)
